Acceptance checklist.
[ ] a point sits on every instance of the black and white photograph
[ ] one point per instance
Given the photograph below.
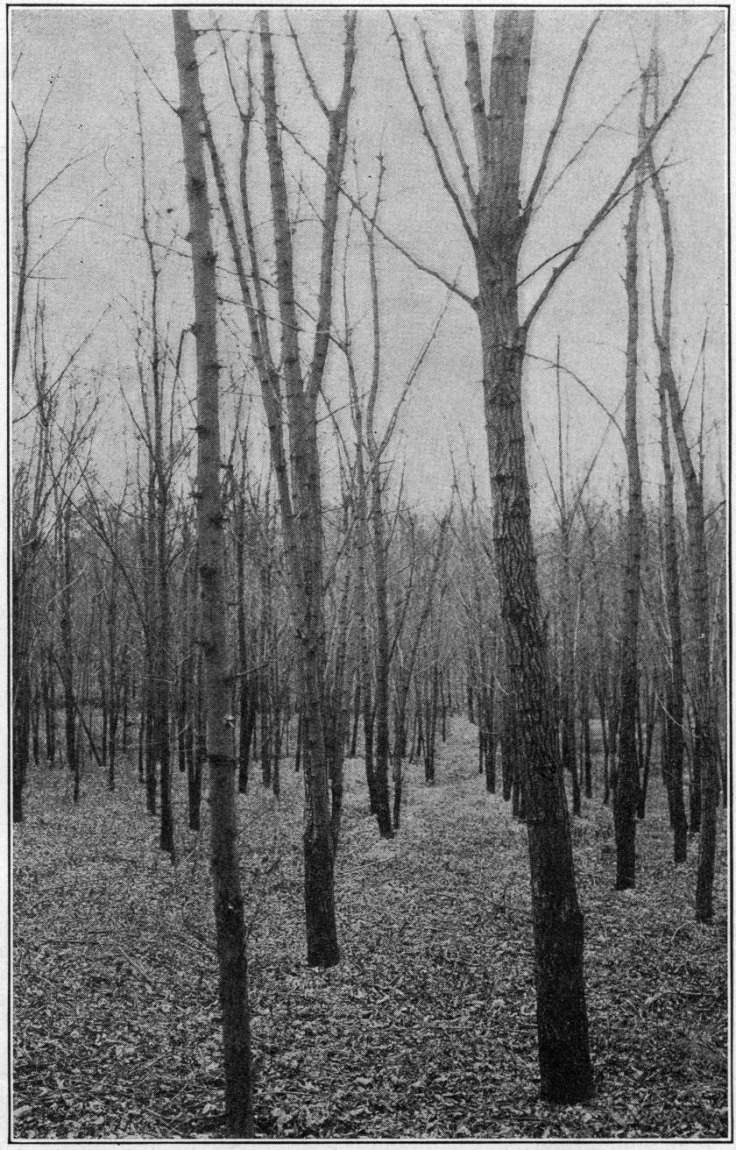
(368, 643)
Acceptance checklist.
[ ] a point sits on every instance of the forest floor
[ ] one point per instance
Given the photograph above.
(426, 1029)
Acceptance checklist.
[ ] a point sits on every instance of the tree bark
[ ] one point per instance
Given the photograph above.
(228, 899)
(704, 766)
(564, 1061)
(626, 791)
(302, 508)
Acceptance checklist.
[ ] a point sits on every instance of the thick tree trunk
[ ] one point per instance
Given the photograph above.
(564, 1061)
(228, 898)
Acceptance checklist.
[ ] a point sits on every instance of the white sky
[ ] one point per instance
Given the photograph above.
(101, 262)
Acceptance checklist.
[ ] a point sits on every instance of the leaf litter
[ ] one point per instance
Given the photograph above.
(426, 1029)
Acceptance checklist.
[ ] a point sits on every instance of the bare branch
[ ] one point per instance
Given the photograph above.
(614, 196)
(555, 129)
(416, 367)
(581, 383)
(305, 68)
(474, 85)
(588, 139)
(65, 168)
(471, 301)
(427, 133)
(149, 77)
(338, 121)
(436, 76)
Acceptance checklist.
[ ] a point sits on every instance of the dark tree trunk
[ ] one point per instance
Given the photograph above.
(704, 792)
(357, 711)
(387, 822)
(67, 647)
(626, 792)
(564, 1061)
(228, 899)
(48, 693)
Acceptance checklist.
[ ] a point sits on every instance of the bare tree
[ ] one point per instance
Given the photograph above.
(229, 920)
(290, 397)
(705, 740)
(496, 222)
(626, 791)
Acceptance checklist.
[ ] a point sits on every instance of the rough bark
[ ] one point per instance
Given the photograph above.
(565, 1068)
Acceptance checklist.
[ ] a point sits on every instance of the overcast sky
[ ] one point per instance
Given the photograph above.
(101, 262)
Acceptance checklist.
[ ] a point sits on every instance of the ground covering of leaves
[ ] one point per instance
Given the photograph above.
(426, 1029)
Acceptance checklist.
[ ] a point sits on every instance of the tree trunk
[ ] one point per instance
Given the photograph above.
(299, 486)
(564, 1061)
(48, 691)
(626, 792)
(704, 759)
(67, 647)
(386, 823)
(228, 899)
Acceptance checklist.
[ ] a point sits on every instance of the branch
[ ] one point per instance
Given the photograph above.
(474, 85)
(338, 121)
(52, 180)
(426, 131)
(448, 118)
(412, 376)
(613, 198)
(150, 78)
(598, 128)
(555, 129)
(305, 68)
(471, 301)
(588, 391)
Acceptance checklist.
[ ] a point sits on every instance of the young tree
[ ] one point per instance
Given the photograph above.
(290, 397)
(705, 740)
(229, 917)
(496, 222)
(496, 238)
(626, 792)
(673, 742)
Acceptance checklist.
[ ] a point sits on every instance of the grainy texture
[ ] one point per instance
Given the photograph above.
(425, 1029)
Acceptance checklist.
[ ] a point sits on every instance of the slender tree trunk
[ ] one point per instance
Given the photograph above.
(364, 687)
(67, 647)
(586, 753)
(489, 702)
(357, 713)
(302, 506)
(244, 688)
(386, 823)
(48, 690)
(626, 793)
(229, 918)
(704, 758)
(21, 696)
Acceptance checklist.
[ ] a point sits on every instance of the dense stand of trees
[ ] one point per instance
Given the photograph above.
(250, 616)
